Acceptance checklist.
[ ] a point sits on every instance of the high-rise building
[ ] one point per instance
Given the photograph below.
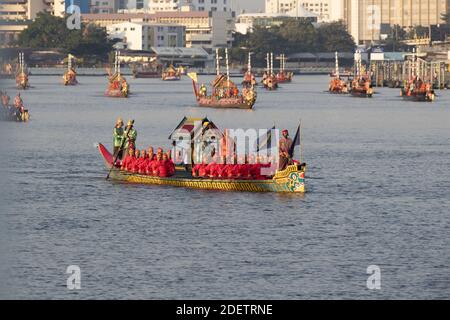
(84, 5)
(365, 18)
(16, 15)
(103, 6)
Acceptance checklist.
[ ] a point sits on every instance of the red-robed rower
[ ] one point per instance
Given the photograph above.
(129, 159)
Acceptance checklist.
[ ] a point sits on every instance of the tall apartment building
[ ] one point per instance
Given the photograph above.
(16, 15)
(365, 18)
(103, 6)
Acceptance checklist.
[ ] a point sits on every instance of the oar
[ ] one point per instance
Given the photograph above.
(120, 149)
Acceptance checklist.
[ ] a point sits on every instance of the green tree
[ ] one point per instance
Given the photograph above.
(299, 36)
(48, 31)
(394, 41)
(295, 35)
(334, 37)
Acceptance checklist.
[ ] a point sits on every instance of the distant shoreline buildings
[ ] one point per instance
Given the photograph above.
(211, 23)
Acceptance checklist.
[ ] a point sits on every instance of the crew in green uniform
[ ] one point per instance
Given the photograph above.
(130, 136)
(118, 139)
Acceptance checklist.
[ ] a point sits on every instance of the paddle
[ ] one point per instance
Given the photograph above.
(120, 149)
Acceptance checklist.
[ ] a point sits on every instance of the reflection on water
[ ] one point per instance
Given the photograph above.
(378, 194)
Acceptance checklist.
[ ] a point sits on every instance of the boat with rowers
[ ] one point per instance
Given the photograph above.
(147, 70)
(269, 79)
(171, 74)
(22, 81)
(70, 76)
(7, 71)
(361, 85)
(283, 76)
(118, 86)
(337, 85)
(249, 78)
(417, 90)
(15, 112)
(289, 180)
(224, 92)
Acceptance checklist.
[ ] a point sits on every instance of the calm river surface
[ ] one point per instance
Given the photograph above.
(378, 194)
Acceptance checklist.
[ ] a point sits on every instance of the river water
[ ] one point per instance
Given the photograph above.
(378, 194)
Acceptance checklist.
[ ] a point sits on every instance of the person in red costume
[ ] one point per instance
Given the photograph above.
(171, 165)
(195, 169)
(156, 164)
(129, 159)
(134, 167)
(220, 168)
(255, 170)
(151, 153)
(160, 152)
(212, 168)
(202, 171)
(142, 163)
(164, 167)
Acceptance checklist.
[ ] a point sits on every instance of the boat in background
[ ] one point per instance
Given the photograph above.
(418, 90)
(249, 78)
(70, 76)
(7, 71)
(361, 85)
(22, 81)
(283, 76)
(338, 85)
(15, 112)
(224, 92)
(118, 86)
(171, 74)
(269, 79)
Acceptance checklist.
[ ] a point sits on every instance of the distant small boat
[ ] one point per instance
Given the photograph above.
(22, 81)
(118, 86)
(171, 74)
(222, 94)
(70, 76)
(284, 76)
(420, 96)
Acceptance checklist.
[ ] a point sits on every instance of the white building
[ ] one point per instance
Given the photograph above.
(247, 21)
(151, 6)
(280, 6)
(144, 36)
(326, 10)
(204, 29)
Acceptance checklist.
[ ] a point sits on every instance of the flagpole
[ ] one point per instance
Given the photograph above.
(301, 144)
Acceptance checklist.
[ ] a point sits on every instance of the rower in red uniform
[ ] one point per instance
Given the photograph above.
(170, 164)
(211, 168)
(142, 163)
(134, 165)
(164, 170)
(255, 170)
(156, 164)
(129, 158)
(151, 153)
